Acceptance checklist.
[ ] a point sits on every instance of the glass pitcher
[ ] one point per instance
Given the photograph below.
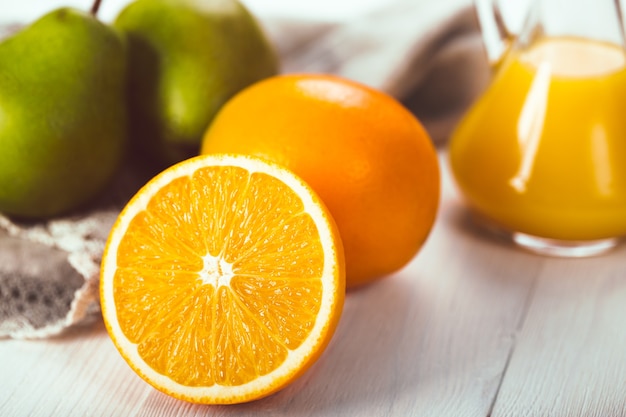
(541, 155)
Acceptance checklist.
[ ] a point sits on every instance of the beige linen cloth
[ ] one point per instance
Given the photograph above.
(427, 54)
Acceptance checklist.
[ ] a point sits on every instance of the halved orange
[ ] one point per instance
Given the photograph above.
(223, 279)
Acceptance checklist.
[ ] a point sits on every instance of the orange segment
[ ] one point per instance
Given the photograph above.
(223, 279)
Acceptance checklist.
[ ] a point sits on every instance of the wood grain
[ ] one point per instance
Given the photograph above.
(570, 357)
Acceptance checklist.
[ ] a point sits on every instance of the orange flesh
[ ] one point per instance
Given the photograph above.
(198, 287)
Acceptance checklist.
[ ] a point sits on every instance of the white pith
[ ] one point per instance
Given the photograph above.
(216, 271)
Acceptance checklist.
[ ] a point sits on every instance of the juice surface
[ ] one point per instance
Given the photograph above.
(543, 151)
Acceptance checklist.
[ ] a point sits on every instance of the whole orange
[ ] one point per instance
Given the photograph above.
(368, 158)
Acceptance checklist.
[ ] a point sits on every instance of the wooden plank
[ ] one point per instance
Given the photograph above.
(570, 357)
(77, 374)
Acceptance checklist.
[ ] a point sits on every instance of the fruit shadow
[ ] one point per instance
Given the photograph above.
(357, 371)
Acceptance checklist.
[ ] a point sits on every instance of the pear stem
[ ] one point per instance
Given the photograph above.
(95, 7)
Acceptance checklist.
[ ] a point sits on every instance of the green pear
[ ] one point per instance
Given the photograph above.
(62, 113)
(186, 59)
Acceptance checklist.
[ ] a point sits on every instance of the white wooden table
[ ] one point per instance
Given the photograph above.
(472, 327)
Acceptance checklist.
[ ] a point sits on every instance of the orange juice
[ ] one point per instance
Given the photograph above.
(543, 151)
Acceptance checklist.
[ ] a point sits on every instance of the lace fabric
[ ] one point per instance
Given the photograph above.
(49, 274)
(49, 270)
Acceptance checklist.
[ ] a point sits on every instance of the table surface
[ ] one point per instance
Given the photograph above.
(471, 327)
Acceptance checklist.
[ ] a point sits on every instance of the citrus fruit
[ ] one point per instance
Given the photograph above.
(222, 279)
(367, 157)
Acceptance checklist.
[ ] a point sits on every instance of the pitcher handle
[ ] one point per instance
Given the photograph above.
(496, 36)
(622, 22)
